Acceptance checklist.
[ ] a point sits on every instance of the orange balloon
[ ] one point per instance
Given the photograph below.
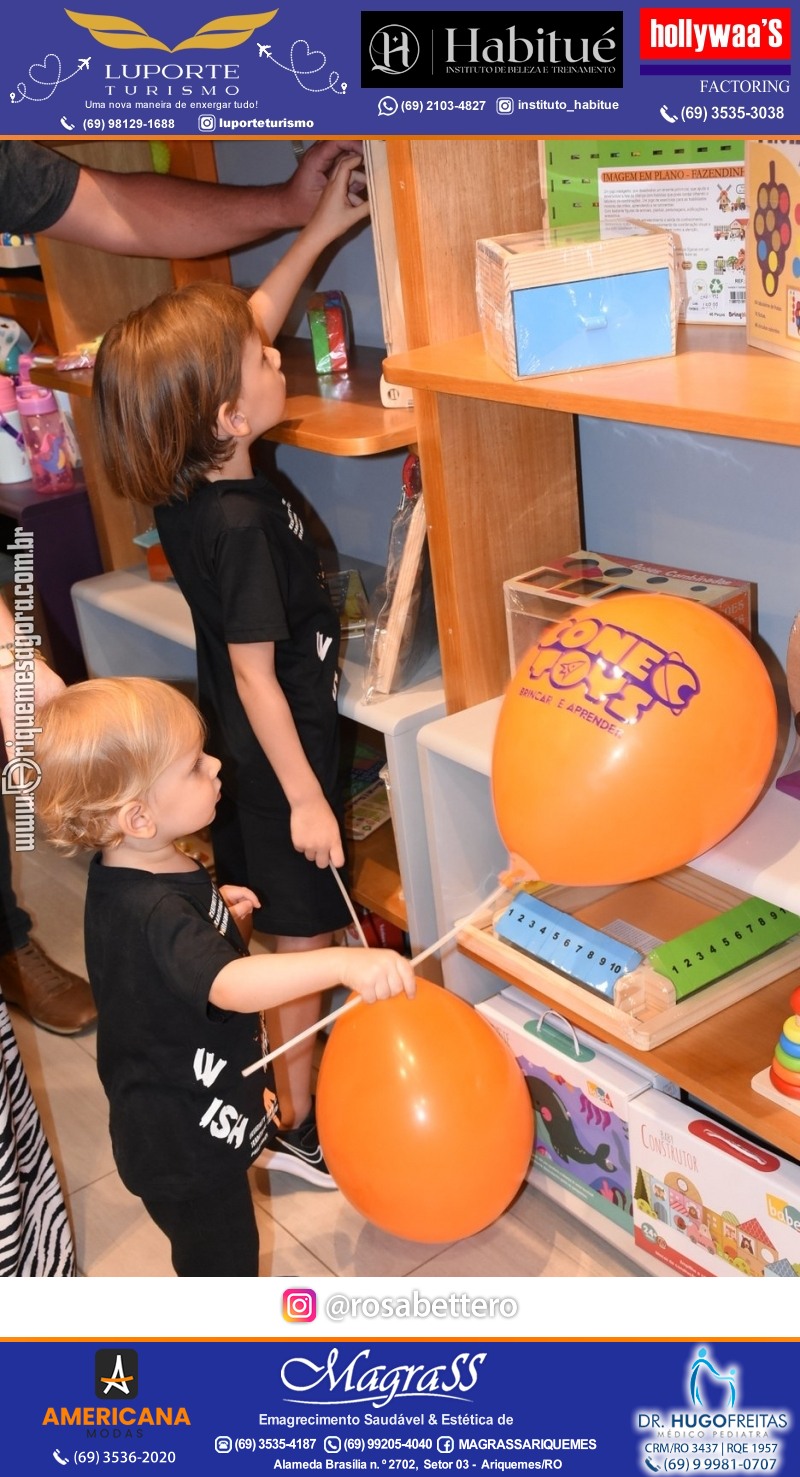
(423, 1115)
(635, 735)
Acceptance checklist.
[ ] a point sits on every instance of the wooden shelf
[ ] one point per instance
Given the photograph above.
(340, 415)
(375, 876)
(715, 384)
(716, 1060)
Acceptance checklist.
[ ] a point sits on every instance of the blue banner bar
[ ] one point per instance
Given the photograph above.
(310, 68)
(401, 1408)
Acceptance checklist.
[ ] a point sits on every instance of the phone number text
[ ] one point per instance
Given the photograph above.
(442, 105)
(109, 125)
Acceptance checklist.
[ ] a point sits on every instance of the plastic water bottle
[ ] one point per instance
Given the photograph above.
(46, 440)
(14, 464)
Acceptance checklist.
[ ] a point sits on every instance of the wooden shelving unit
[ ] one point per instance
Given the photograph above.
(375, 876)
(715, 384)
(340, 415)
(716, 1060)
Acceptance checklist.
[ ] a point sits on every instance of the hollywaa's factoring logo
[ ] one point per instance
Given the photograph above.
(619, 672)
(715, 34)
(519, 48)
(126, 35)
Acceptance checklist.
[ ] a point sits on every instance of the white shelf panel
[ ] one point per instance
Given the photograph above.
(762, 856)
(422, 702)
(466, 737)
(130, 594)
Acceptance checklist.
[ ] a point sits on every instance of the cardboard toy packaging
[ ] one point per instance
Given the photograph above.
(581, 1092)
(772, 187)
(543, 595)
(707, 1201)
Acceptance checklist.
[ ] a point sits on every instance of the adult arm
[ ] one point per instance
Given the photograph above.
(47, 685)
(161, 216)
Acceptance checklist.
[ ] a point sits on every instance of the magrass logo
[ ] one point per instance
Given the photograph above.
(509, 48)
(685, 40)
(116, 1374)
(127, 35)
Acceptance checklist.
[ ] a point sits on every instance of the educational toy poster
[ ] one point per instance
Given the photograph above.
(576, 1277)
(704, 206)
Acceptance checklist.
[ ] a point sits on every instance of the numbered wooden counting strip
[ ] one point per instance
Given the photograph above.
(564, 943)
(726, 943)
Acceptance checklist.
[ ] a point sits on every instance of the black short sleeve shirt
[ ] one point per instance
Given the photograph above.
(36, 186)
(182, 1116)
(250, 573)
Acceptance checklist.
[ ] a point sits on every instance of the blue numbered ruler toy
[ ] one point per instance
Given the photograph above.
(565, 944)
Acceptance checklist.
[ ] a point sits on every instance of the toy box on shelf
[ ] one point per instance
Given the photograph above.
(577, 297)
(772, 186)
(580, 1091)
(536, 599)
(708, 1202)
(671, 952)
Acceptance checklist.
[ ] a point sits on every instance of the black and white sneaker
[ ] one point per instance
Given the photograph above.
(297, 1151)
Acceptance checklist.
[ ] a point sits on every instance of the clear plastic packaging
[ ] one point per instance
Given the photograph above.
(401, 632)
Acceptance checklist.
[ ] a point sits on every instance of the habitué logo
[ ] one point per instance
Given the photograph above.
(519, 48)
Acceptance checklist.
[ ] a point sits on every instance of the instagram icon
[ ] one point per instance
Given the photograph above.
(299, 1305)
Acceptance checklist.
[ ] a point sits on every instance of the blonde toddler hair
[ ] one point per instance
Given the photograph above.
(105, 742)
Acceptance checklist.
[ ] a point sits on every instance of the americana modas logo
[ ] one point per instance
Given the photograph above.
(128, 35)
(116, 1374)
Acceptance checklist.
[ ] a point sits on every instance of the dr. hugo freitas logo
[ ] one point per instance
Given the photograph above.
(712, 1416)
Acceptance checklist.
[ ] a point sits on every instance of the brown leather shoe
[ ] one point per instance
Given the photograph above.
(51, 996)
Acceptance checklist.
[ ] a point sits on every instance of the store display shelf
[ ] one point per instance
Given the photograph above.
(339, 414)
(375, 876)
(715, 384)
(716, 1059)
(679, 897)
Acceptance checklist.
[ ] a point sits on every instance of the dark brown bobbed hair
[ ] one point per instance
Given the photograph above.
(160, 379)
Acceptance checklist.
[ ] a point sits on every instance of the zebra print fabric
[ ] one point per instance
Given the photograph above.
(35, 1236)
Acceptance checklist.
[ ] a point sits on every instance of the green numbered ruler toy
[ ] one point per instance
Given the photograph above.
(726, 943)
(564, 943)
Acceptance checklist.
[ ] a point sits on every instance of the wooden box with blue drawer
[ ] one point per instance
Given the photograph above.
(577, 298)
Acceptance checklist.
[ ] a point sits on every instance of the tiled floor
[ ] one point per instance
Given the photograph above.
(304, 1231)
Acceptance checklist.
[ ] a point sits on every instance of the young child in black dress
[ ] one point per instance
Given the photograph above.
(124, 773)
(183, 388)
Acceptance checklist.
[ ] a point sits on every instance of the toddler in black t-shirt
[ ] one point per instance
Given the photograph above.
(124, 773)
(182, 390)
